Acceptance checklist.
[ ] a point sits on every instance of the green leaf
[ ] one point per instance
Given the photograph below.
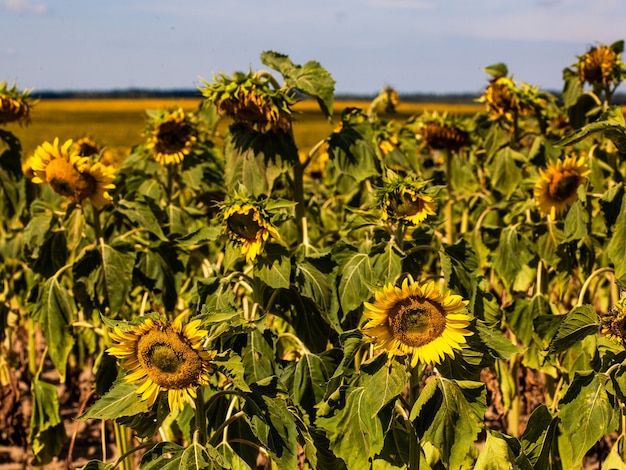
(500, 452)
(350, 152)
(273, 266)
(54, 312)
(498, 345)
(117, 273)
(510, 256)
(356, 277)
(587, 412)
(497, 70)
(459, 262)
(47, 432)
(578, 323)
(311, 79)
(314, 284)
(614, 461)
(505, 173)
(387, 265)
(141, 215)
(576, 221)
(449, 415)
(272, 423)
(231, 365)
(258, 356)
(121, 400)
(199, 237)
(383, 381)
(36, 231)
(616, 249)
(354, 431)
(306, 379)
(539, 437)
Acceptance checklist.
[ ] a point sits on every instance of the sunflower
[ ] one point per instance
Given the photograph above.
(252, 100)
(442, 136)
(246, 223)
(70, 175)
(87, 147)
(164, 356)
(613, 323)
(557, 188)
(417, 320)
(172, 135)
(14, 106)
(600, 66)
(402, 201)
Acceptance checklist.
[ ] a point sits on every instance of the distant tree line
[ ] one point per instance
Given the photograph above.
(451, 98)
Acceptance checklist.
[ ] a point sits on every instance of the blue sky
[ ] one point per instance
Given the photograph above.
(427, 46)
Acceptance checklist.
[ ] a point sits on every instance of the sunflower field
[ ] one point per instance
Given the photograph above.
(441, 292)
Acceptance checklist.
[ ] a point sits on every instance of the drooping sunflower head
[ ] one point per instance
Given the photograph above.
(440, 132)
(420, 321)
(171, 135)
(600, 66)
(406, 201)
(164, 356)
(247, 223)
(70, 175)
(557, 187)
(507, 99)
(250, 99)
(15, 106)
(613, 322)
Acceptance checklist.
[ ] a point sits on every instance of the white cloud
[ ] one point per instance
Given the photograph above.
(24, 6)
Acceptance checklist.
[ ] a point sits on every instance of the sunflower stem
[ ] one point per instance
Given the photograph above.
(200, 416)
(415, 449)
(97, 226)
(448, 212)
(585, 287)
(121, 440)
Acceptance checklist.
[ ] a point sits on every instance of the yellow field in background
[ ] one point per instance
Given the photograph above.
(118, 123)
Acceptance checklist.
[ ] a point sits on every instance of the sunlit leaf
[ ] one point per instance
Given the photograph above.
(356, 278)
(54, 311)
(449, 414)
(311, 79)
(500, 452)
(352, 427)
(121, 400)
(273, 266)
(579, 323)
(587, 412)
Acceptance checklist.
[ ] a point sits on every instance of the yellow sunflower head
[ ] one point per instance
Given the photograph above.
(557, 188)
(250, 99)
(171, 136)
(70, 175)
(420, 321)
(248, 224)
(14, 106)
(613, 322)
(600, 66)
(87, 147)
(164, 356)
(407, 202)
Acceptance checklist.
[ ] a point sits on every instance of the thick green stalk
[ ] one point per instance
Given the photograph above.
(448, 210)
